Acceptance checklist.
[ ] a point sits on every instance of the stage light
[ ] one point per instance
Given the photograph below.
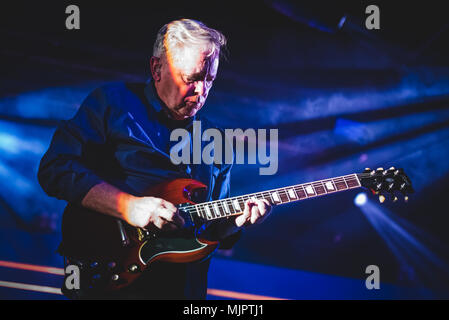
(360, 199)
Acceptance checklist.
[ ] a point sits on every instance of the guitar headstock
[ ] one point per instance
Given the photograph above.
(391, 181)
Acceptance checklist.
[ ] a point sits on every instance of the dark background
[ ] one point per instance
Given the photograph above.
(343, 98)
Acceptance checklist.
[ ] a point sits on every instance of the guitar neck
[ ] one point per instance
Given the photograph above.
(234, 206)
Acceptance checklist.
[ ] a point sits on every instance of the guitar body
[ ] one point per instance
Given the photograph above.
(120, 252)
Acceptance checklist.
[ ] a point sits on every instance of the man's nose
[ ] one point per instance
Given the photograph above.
(200, 87)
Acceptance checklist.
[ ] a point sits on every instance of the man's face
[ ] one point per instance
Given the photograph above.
(185, 80)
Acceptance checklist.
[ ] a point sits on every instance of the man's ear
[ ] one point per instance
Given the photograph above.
(155, 67)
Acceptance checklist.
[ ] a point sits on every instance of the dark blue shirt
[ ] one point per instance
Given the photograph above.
(121, 135)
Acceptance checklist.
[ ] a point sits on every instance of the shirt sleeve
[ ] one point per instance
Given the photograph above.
(65, 171)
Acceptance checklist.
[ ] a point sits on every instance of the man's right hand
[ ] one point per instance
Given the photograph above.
(144, 211)
(137, 211)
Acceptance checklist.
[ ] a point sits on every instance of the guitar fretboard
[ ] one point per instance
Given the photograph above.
(235, 205)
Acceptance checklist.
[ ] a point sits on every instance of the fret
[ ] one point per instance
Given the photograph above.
(226, 207)
(301, 192)
(285, 192)
(324, 188)
(242, 202)
(267, 197)
(319, 189)
(217, 209)
(236, 205)
(352, 182)
(292, 194)
(340, 185)
(276, 197)
(208, 212)
(283, 195)
(201, 213)
(310, 190)
(330, 187)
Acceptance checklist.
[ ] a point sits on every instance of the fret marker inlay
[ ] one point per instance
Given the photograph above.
(236, 204)
(276, 197)
(291, 193)
(329, 185)
(209, 214)
(217, 210)
(309, 189)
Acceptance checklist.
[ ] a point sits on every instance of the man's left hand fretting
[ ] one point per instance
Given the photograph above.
(256, 211)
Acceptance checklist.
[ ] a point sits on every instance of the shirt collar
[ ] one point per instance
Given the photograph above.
(159, 106)
(153, 98)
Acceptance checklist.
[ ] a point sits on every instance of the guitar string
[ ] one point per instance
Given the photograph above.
(281, 192)
(198, 208)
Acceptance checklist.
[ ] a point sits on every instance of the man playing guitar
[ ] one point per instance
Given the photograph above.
(117, 146)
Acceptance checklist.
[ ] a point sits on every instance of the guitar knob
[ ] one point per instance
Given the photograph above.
(381, 198)
(115, 277)
(133, 268)
(395, 199)
(392, 168)
(406, 198)
(380, 169)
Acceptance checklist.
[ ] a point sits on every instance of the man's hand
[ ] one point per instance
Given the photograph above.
(143, 211)
(255, 211)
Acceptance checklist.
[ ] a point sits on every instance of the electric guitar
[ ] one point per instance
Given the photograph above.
(128, 251)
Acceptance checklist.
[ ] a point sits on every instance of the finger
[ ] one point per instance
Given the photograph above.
(158, 223)
(243, 218)
(171, 216)
(262, 207)
(267, 203)
(168, 205)
(255, 214)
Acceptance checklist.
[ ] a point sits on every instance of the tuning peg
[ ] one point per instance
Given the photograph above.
(395, 199)
(380, 169)
(381, 198)
(406, 198)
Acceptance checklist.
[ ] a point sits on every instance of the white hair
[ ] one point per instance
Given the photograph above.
(188, 32)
